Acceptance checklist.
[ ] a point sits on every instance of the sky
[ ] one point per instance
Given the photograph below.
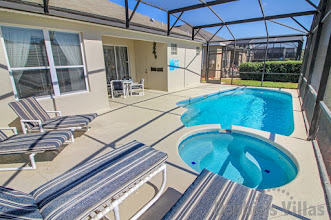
(237, 10)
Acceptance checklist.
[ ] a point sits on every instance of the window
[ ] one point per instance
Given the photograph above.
(68, 61)
(173, 49)
(44, 62)
(197, 52)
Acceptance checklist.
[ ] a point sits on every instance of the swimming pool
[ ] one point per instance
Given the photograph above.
(262, 109)
(238, 157)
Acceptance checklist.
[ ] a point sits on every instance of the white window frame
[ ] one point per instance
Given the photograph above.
(51, 65)
(174, 50)
(197, 50)
(127, 49)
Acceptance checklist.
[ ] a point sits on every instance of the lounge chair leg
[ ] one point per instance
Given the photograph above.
(32, 167)
(33, 162)
(71, 139)
(117, 213)
(156, 197)
(114, 205)
(23, 128)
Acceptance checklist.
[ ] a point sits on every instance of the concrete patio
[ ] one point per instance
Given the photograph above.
(154, 119)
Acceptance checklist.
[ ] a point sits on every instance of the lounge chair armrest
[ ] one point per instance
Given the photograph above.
(57, 113)
(10, 128)
(23, 121)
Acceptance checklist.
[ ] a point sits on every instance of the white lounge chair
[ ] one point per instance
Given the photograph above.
(90, 190)
(212, 196)
(34, 117)
(31, 144)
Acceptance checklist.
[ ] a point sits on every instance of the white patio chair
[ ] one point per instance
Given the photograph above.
(117, 88)
(137, 86)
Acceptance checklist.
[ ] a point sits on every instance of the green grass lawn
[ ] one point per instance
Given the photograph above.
(286, 85)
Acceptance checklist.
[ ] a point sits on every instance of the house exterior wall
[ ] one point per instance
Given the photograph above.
(7, 116)
(93, 37)
(188, 72)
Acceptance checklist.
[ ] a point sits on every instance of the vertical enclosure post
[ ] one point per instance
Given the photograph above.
(266, 48)
(46, 6)
(207, 63)
(193, 33)
(234, 57)
(265, 59)
(299, 50)
(126, 14)
(168, 29)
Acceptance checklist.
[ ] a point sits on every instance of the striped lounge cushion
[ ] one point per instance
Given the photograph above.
(34, 142)
(76, 193)
(69, 121)
(29, 109)
(17, 205)
(3, 136)
(214, 197)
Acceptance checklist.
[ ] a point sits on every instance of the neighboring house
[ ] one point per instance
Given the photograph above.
(274, 53)
(65, 56)
(280, 48)
(220, 54)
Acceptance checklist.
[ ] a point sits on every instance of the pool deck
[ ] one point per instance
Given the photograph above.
(154, 119)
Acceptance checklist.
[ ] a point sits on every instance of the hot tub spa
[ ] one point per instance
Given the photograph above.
(239, 157)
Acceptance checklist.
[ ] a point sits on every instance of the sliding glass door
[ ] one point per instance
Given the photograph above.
(116, 62)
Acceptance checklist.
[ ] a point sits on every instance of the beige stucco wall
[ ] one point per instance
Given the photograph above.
(189, 71)
(6, 93)
(145, 60)
(114, 41)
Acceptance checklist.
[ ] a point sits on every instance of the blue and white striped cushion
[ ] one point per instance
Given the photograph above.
(29, 109)
(3, 136)
(212, 196)
(69, 121)
(34, 142)
(17, 205)
(78, 192)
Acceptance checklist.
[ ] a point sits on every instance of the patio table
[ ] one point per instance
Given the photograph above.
(127, 84)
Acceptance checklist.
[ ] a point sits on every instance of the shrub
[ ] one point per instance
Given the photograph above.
(271, 67)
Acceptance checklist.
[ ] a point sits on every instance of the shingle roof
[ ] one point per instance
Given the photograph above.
(108, 9)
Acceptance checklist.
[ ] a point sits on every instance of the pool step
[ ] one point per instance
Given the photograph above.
(245, 164)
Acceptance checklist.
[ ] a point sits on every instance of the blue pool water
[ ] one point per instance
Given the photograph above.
(243, 159)
(262, 109)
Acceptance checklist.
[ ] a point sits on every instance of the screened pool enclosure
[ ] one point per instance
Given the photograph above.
(303, 23)
(283, 29)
